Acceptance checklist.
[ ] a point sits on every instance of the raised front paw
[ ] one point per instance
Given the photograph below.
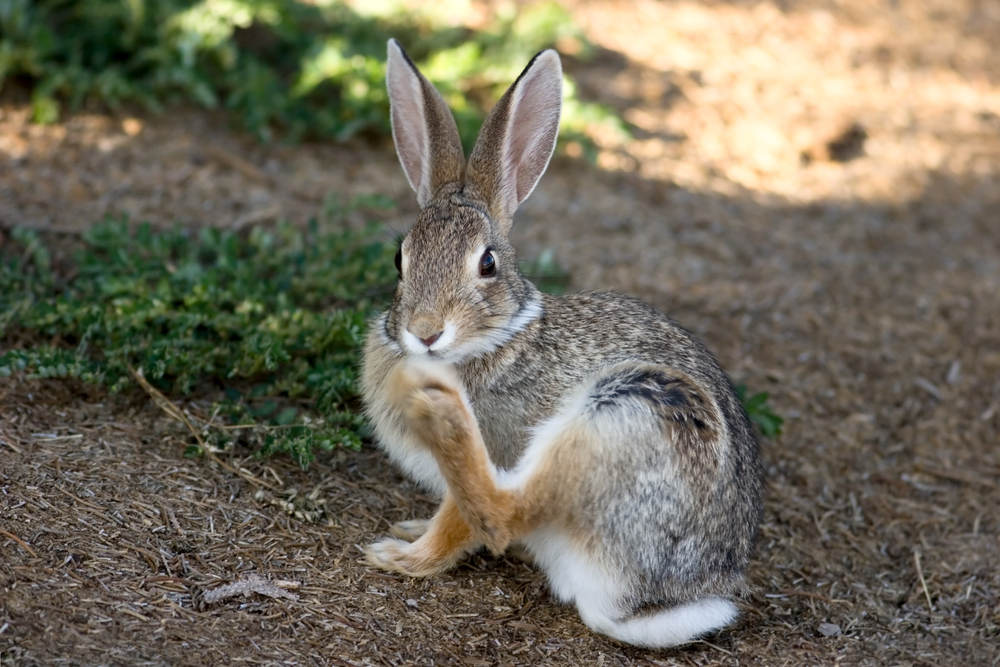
(398, 555)
(429, 394)
(412, 376)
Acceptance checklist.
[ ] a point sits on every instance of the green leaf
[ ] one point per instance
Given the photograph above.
(760, 413)
(270, 315)
(286, 416)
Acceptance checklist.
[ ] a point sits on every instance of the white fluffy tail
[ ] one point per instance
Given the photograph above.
(677, 625)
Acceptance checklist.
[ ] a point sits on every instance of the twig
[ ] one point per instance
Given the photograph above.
(236, 163)
(16, 450)
(164, 404)
(810, 594)
(957, 476)
(17, 539)
(251, 583)
(923, 582)
(92, 506)
(717, 648)
(169, 519)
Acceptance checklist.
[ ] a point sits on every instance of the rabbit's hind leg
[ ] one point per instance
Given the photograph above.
(630, 462)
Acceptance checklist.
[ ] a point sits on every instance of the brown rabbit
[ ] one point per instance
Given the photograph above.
(590, 428)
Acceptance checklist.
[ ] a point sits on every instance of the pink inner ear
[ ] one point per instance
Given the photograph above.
(533, 124)
(423, 128)
(529, 148)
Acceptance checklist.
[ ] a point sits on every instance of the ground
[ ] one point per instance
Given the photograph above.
(813, 188)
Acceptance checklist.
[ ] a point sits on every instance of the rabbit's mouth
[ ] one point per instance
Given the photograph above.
(434, 345)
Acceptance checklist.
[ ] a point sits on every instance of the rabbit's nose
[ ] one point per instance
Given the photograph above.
(430, 340)
(426, 328)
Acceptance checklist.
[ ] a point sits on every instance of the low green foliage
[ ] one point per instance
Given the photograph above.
(273, 317)
(545, 272)
(296, 67)
(760, 413)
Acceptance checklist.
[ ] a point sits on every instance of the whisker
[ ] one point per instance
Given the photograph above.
(392, 237)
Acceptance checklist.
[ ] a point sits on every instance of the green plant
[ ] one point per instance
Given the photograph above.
(273, 317)
(289, 66)
(760, 413)
(545, 272)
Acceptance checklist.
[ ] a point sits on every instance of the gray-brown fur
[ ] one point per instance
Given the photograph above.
(552, 360)
(621, 434)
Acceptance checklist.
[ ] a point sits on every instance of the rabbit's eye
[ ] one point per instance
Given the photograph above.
(487, 265)
(399, 261)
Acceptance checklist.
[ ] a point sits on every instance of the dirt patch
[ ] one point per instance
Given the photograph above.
(861, 287)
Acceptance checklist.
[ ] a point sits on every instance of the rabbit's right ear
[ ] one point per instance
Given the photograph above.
(518, 138)
(423, 128)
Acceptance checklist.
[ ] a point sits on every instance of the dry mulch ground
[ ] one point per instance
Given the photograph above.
(813, 188)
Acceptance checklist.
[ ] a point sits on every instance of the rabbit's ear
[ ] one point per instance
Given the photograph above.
(423, 128)
(518, 138)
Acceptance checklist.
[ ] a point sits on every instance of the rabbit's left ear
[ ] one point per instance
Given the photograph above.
(423, 128)
(517, 139)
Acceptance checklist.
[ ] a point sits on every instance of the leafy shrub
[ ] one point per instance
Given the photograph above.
(296, 67)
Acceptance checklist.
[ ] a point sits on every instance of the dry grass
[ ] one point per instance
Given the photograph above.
(855, 278)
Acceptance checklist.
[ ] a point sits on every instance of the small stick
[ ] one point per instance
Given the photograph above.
(923, 582)
(815, 596)
(164, 404)
(717, 648)
(957, 476)
(17, 539)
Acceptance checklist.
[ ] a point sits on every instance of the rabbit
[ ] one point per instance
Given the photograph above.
(589, 429)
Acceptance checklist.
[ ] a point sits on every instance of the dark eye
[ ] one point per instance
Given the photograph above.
(399, 261)
(487, 264)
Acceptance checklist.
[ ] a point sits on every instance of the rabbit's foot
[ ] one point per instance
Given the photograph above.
(398, 555)
(447, 538)
(410, 531)
(440, 420)
(430, 396)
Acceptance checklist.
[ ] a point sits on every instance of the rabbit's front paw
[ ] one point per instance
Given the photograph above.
(429, 395)
(414, 375)
(438, 417)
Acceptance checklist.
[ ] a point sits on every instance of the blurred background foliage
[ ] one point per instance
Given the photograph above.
(286, 69)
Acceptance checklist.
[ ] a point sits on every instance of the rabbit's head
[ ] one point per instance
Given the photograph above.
(460, 294)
